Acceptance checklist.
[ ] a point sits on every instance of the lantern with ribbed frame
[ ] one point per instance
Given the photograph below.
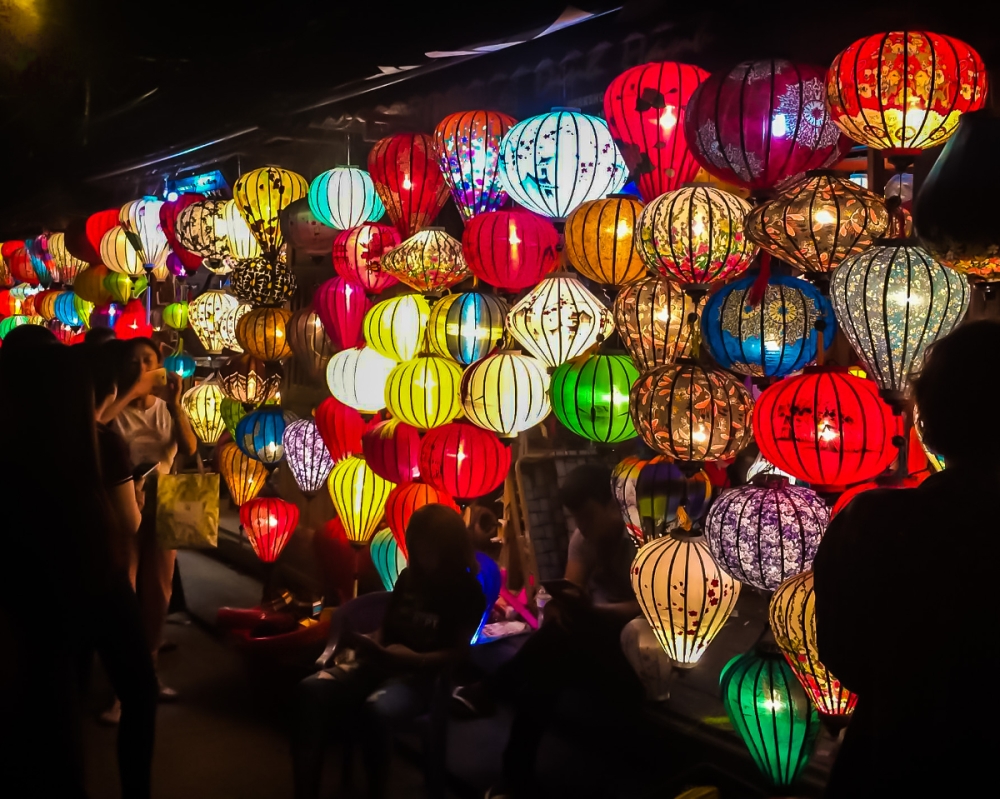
(119, 286)
(65, 309)
(392, 450)
(203, 406)
(423, 392)
(387, 558)
(507, 393)
(342, 305)
(263, 333)
(357, 377)
(590, 396)
(404, 500)
(463, 460)
(170, 213)
(466, 327)
(203, 316)
(141, 220)
(359, 497)
(69, 265)
(657, 322)
(227, 322)
(357, 255)
(407, 179)
(269, 522)
(260, 195)
(307, 455)
(259, 434)
(510, 249)
(309, 342)
(250, 380)
(201, 229)
(344, 197)
(657, 496)
(600, 243)
(175, 315)
(427, 261)
(468, 150)
(244, 476)
(118, 253)
(340, 426)
(395, 328)
(241, 245)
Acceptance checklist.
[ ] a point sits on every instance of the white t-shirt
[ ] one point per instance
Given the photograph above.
(149, 433)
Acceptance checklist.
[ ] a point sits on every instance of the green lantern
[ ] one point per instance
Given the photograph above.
(10, 323)
(175, 315)
(119, 286)
(232, 412)
(83, 309)
(590, 396)
(770, 710)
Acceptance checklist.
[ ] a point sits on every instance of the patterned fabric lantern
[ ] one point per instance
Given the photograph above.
(387, 557)
(463, 460)
(553, 162)
(623, 482)
(430, 260)
(182, 365)
(406, 175)
(826, 427)
(344, 197)
(507, 393)
(232, 412)
(119, 254)
(203, 406)
(404, 500)
(684, 595)
(309, 341)
(260, 281)
(905, 91)
(342, 305)
(244, 476)
(357, 255)
(307, 455)
(559, 320)
(259, 434)
(793, 620)
(656, 321)
(203, 315)
(657, 496)
(250, 380)
(357, 377)
(600, 243)
(691, 413)
(169, 213)
(465, 327)
(240, 242)
(359, 497)
(468, 151)
(201, 228)
(590, 396)
(261, 194)
(264, 333)
(141, 220)
(511, 250)
(132, 322)
(269, 522)
(395, 328)
(423, 392)
(175, 315)
(69, 265)
(392, 450)
(228, 321)
(340, 426)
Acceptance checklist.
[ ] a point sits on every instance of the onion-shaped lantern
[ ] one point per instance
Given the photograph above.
(357, 255)
(203, 406)
(404, 500)
(395, 328)
(170, 213)
(141, 220)
(119, 254)
(507, 393)
(359, 497)
(69, 265)
(392, 450)
(340, 426)
(684, 595)
(553, 162)
(261, 194)
(244, 476)
(387, 557)
(342, 305)
(905, 91)
(777, 336)
(241, 245)
(600, 240)
(203, 316)
(259, 434)
(423, 392)
(559, 320)
(228, 321)
(309, 342)
(175, 315)
(691, 413)
(345, 197)
(656, 321)
(465, 327)
(21, 268)
(468, 151)
(83, 308)
(357, 377)
(263, 281)
(306, 454)
(511, 249)
(201, 229)
(657, 496)
(589, 395)
(250, 380)
(119, 286)
(264, 333)
(427, 261)
(463, 460)
(269, 522)
(406, 175)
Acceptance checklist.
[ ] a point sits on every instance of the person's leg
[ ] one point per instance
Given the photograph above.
(154, 583)
(391, 705)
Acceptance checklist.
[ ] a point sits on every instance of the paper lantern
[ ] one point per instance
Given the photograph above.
(260, 195)
(241, 245)
(387, 557)
(69, 265)
(695, 236)
(691, 413)
(118, 253)
(423, 392)
(645, 108)
(269, 522)
(306, 454)
(203, 406)
(180, 364)
(395, 328)
(65, 309)
(511, 250)
(792, 613)
(21, 268)
(132, 322)
(259, 434)
(340, 426)
(657, 496)
(232, 412)
(226, 323)
(105, 316)
(201, 228)
(89, 285)
(359, 497)
(893, 301)
(342, 306)
(684, 595)
(463, 460)
(357, 255)
(264, 333)
(244, 476)
(141, 219)
(94, 229)
(407, 179)
(45, 304)
(261, 281)
(169, 213)
(506, 393)
(599, 240)
(249, 380)
(83, 308)
(589, 395)
(553, 162)
(41, 260)
(203, 315)
(428, 261)
(357, 377)
(656, 321)
(175, 315)
(344, 197)
(466, 327)
(392, 450)
(404, 500)
(309, 341)
(826, 427)
(9, 304)
(559, 320)
(904, 91)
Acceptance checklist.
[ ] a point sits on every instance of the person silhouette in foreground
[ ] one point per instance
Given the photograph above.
(906, 595)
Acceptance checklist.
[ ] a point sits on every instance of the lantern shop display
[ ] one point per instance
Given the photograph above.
(600, 240)
(268, 523)
(141, 221)
(250, 380)
(264, 333)
(227, 322)
(357, 255)
(553, 162)
(345, 197)
(466, 327)
(657, 496)
(69, 265)
(169, 215)
(308, 340)
(589, 395)
(392, 450)
(358, 376)
(203, 316)
(132, 322)
(395, 328)
(203, 406)
(200, 228)
(261, 194)
(407, 179)
(427, 261)
(232, 412)
(182, 365)
(468, 151)
(684, 595)
(387, 558)
(359, 497)
(423, 392)
(259, 434)
(506, 393)
(510, 249)
(342, 306)
(307, 455)
(341, 427)
(656, 321)
(119, 254)
(241, 245)
(263, 281)
(404, 500)
(244, 476)
(463, 460)
(175, 315)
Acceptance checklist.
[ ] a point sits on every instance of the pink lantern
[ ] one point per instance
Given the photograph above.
(358, 251)
(342, 305)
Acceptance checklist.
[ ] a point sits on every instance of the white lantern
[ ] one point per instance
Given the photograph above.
(506, 393)
(357, 377)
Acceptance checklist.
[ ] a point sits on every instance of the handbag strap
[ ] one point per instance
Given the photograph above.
(199, 462)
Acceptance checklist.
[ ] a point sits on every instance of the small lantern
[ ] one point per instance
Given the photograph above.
(263, 281)
(227, 322)
(359, 497)
(182, 365)
(357, 255)
(600, 240)
(656, 321)
(392, 450)
(395, 328)
(119, 286)
(203, 405)
(657, 496)
(340, 426)
(465, 327)
(175, 315)
(268, 522)
(345, 197)
(404, 500)
(589, 395)
(203, 315)
(342, 305)
(309, 342)
(118, 253)
(506, 393)
(468, 151)
(306, 454)
(260, 195)
(244, 476)
(406, 175)
(429, 260)
(250, 380)
(387, 557)
(463, 460)
(423, 392)
(259, 434)
(357, 377)
(264, 333)
(510, 249)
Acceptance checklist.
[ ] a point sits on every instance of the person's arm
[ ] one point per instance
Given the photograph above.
(145, 384)
(618, 611)
(399, 657)
(578, 568)
(125, 507)
(187, 442)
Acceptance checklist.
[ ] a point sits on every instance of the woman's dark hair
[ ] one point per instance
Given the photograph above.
(27, 337)
(99, 335)
(586, 482)
(440, 532)
(113, 367)
(142, 341)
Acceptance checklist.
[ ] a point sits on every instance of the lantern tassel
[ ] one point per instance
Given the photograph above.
(756, 294)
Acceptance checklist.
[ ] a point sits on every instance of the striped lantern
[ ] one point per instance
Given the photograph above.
(344, 197)
(510, 249)
(342, 305)
(250, 380)
(387, 558)
(141, 220)
(357, 255)
(600, 240)
(463, 460)
(308, 340)
(357, 377)
(203, 406)
(263, 333)
(423, 392)
(175, 315)
(392, 450)
(428, 261)
(395, 328)
(589, 395)
(119, 254)
(307, 455)
(259, 434)
(268, 523)
(404, 500)
(228, 321)
(465, 327)
(656, 321)
(244, 476)
(261, 194)
(506, 393)
(69, 265)
(241, 245)
(359, 497)
(408, 180)
(340, 426)
(232, 412)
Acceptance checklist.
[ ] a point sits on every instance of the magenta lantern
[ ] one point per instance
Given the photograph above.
(392, 450)
(342, 305)
(358, 251)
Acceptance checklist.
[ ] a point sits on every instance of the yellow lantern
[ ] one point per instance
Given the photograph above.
(507, 393)
(358, 376)
(395, 328)
(264, 333)
(68, 265)
(244, 476)
(240, 240)
(465, 327)
(228, 321)
(203, 316)
(358, 496)
(119, 286)
(118, 254)
(423, 392)
(203, 405)
(599, 240)
(46, 306)
(684, 595)
(260, 195)
(430, 260)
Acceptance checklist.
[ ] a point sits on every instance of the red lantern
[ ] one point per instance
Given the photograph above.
(268, 522)
(97, 225)
(645, 108)
(132, 322)
(340, 427)
(408, 180)
(404, 500)
(763, 122)
(9, 305)
(342, 305)
(169, 212)
(511, 250)
(358, 251)
(21, 268)
(463, 460)
(9, 247)
(826, 427)
(392, 451)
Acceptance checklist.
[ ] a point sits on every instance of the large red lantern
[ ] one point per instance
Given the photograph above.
(408, 180)
(169, 212)
(645, 108)
(392, 450)
(342, 305)
(132, 322)
(763, 122)
(97, 225)
(463, 460)
(268, 522)
(21, 268)
(511, 250)
(358, 251)
(340, 426)
(404, 500)
(826, 427)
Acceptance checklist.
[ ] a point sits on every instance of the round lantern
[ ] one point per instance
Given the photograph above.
(89, 285)
(357, 377)
(69, 265)
(264, 333)
(309, 341)
(342, 306)
(203, 406)
(226, 323)
(268, 522)
(344, 197)
(65, 309)
(507, 393)
(8, 324)
(777, 336)
(430, 260)
(590, 397)
(387, 557)
(893, 301)
(553, 162)
(340, 426)
(463, 460)
(423, 392)
(244, 476)
(657, 496)
(905, 91)
(175, 315)
(261, 281)
(94, 229)
(392, 450)
(132, 322)
(232, 412)
(395, 328)
(793, 621)
(684, 595)
(118, 254)
(691, 413)
(304, 233)
(599, 240)
(511, 250)
(203, 315)
(169, 213)
(357, 255)
(826, 427)
(407, 179)
(180, 364)
(404, 500)
(261, 194)
(249, 380)
(240, 242)
(259, 434)
(695, 236)
(656, 321)
(201, 228)
(21, 268)
(141, 220)
(359, 497)
(559, 320)
(468, 151)
(465, 327)
(306, 455)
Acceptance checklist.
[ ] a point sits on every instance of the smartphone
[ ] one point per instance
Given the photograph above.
(143, 470)
(159, 376)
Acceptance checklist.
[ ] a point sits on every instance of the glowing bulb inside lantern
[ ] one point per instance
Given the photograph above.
(824, 217)
(699, 435)
(623, 230)
(406, 183)
(668, 119)
(827, 433)
(779, 127)
(697, 228)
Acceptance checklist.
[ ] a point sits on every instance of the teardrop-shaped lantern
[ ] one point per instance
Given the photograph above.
(261, 194)
(269, 522)
(203, 316)
(657, 322)
(506, 393)
(465, 327)
(244, 476)
(307, 455)
(203, 406)
(359, 497)
(395, 328)
(407, 178)
(342, 305)
(404, 500)
(357, 377)
(119, 254)
(387, 557)
(392, 450)
(341, 427)
(141, 219)
(345, 197)
(427, 261)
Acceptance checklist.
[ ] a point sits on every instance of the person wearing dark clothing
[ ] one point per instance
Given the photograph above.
(906, 608)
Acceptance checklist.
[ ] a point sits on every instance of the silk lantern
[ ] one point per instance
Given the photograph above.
(465, 327)
(21, 267)
(141, 220)
(404, 500)
(359, 497)
(269, 522)
(656, 321)
(11, 322)
(657, 496)
(309, 341)
(169, 213)
(307, 455)
(203, 406)
(392, 450)
(623, 482)
(345, 197)
(340, 426)
(94, 229)
(240, 242)
(506, 393)
(387, 557)
(120, 287)
(201, 228)
(261, 194)
(357, 255)
(428, 261)
(342, 306)
(250, 380)
(132, 322)
(175, 315)
(303, 232)
(407, 179)
(423, 392)
(463, 460)
(244, 476)
(259, 434)
(89, 285)
(512, 249)
(600, 240)
(263, 281)
(589, 395)
(119, 254)
(180, 364)
(69, 265)
(232, 412)
(395, 328)
(263, 333)
(203, 315)
(357, 377)
(65, 309)
(41, 260)
(226, 323)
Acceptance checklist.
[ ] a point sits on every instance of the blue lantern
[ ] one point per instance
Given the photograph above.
(553, 162)
(179, 364)
(388, 558)
(40, 259)
(344, 197)
(774, 338)
(65, 309)
(490, 579)
(259, 435)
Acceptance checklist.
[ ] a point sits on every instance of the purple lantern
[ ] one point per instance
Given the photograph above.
(307, 455)
(106, 315)
(175, 265)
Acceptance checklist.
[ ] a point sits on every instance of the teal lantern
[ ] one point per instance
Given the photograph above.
(590, 396)
(772, 713)
(466, 327)
(388, 558)
(65, 309)
(259, 435)
(344, 197)
(180, 364)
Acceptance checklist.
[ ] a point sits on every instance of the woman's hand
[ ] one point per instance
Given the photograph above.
(173, 392)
